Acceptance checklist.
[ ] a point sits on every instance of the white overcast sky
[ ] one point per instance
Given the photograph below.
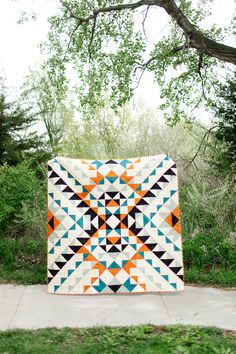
(19, 43)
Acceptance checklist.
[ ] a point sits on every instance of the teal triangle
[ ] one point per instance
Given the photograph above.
(129, 286)
(58, 202)
(159, 232)
(77, 183)
(62, 168)
(69, 175)
(70, 271)
(80, 222)
(168, 240)
(157, 269)
(73, 227)
(139, 188)
(63, 280)
(165, 199)
(146, 180)
(160, 164)
(145, 220)
(97, 163)
(134, 246)
(93, 248)
(51, 195)
(56, 287)
(125, 203)
(149, 261)
(172, 192)
(92, 197)
(73, 217)
(65, 235)
(174, 285)
(102, 181)
(51, 251)
(114, 265)
(58, 243)
(165, 277)
(65, 209)
(177, 249)
(99, 287)
(77, 264)
(100, 204)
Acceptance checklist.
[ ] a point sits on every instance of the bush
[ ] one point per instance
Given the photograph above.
(22, 200)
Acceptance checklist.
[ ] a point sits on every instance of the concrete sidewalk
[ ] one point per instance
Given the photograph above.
(31, 307)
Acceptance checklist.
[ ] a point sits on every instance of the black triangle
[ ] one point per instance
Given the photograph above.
(102, 196)
(60, 182)
(112, 194)
(100, 222)
(180, 276)
(67, 256)
(159, 254)
(134, 211)
(142, 202)
(162, 179)
(53, 174)
(51, 222)
(49, 168)
(175, 269)
(68, 189)
(92, 213)
(134, 229)
(82, 205)
(143, 238)
(75, 248)
(111, 161)
(155, 186)
(75, 197)
(170, 172)
(104, 247)
(149, 194)
(151, 245)
(60, 264)
(83, 240)
(92, 231)
(114, 249)
(174, 166)
(174, 219)
(123, 247)
(54, 271)
(49, 279)
(167, 261)
(125, 221)
(122, 196)
(114, 288)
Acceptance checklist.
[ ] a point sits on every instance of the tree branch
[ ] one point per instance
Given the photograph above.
(195, 38)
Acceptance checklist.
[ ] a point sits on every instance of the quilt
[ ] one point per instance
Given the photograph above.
(113, 226)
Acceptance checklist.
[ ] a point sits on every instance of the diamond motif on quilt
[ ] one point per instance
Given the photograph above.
(113, 226)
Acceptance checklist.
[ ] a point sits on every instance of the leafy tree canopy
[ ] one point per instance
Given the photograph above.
(100, 41)
(17, 138)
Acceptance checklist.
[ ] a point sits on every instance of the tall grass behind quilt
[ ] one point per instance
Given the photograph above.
(114, 226)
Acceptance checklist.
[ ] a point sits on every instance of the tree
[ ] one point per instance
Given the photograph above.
(100, 41)
(225, 117)
(17, 142)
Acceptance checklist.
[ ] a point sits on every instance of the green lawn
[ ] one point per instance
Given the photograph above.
(130, 340)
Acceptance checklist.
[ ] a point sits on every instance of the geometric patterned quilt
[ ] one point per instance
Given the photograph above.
(114, 226)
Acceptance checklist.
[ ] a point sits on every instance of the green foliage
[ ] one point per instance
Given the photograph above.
(107, 57)
(225, 118)
(17, 142)
(22, 200)
(107, 340)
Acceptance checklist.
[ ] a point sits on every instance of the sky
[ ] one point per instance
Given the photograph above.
(19, 43)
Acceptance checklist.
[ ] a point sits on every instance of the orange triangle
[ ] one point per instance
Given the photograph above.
(50, 230)
(100, 267)
(141, 193)
(114, 271)
(93, 279)
(92, 168)
(90, 258)
(125, 177)
(89, 187)
(144, 248)
(111, 174)
(134, 186)
(113, 239)
(129, 265)
(98, 178)
(112, 203)
(82, 250)
(135, 278)
(136, 256)
(143, 286)
(86, 287)
(50, 215)
(177, 227)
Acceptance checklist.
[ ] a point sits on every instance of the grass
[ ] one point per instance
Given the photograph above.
(130, 340)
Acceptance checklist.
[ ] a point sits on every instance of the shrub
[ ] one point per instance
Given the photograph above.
(22, 200)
